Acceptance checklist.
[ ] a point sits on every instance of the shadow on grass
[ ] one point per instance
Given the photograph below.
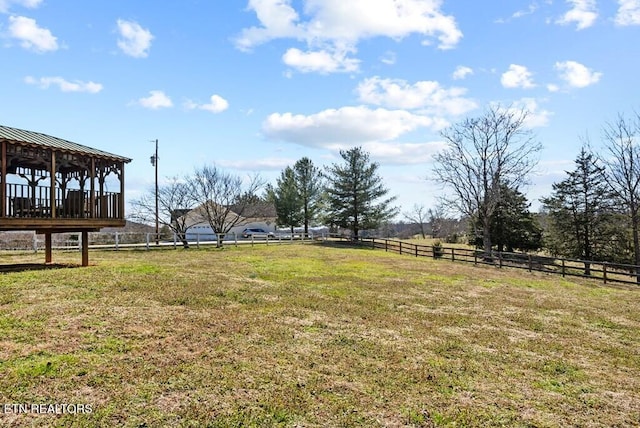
(21, 267)
(356, 245)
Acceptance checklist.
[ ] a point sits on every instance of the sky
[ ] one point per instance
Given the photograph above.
(253, 86)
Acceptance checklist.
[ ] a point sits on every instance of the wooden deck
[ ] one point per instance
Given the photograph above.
(51, 185)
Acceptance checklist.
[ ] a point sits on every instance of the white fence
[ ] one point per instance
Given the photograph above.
(122, 240)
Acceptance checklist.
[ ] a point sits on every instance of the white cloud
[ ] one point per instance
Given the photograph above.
(5, 5)
(536, 116)
(64, 85)
(583, 14)
(402, 153)
(461, 72)
(134, 40)
(30, 35)
(346, 125)
(628, 13)
(577, 75)
(320, 61)
(260, 164)
(337, 20)
(156, 100)
(388, 58)
(336, 26)
(518, 76)
(217, 104)
(426, 95)
(531, 9)
(278, 19)
(551, 87)
(520, 13)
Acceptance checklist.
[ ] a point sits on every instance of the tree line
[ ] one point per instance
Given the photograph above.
(591, 214)
(350, 194)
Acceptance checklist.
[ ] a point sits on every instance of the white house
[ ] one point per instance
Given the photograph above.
(260, 215)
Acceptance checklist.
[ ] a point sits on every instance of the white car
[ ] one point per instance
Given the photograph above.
(257, 232)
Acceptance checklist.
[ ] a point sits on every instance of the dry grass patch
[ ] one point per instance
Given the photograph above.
(305, 335)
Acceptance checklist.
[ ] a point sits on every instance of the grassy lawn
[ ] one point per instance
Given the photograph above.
(309, 335)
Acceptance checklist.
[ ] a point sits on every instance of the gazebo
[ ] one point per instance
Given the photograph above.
(50, 185)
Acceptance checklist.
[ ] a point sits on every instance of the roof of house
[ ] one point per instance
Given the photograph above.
(21, 136)
(254, 210)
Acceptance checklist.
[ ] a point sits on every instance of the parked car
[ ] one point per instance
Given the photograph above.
(257, 232)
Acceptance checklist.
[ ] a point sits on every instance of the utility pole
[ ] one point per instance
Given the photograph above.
(154, 162)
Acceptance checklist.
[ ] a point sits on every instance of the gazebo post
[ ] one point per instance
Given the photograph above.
(47, 247)
(92, 187)
(3, 188)
(52, 193)
(85, 248)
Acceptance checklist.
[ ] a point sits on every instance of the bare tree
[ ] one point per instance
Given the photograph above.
(444, 226)
(174, 201)
(223, 199)
(482, 155)
(622, 171)
(436, 218)
(418, 216)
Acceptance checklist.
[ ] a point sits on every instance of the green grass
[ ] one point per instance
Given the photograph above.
(308, 335)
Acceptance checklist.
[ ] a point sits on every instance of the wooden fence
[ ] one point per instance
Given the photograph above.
(605, 271)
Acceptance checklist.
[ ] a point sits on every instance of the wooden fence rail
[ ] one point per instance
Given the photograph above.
(605, 271)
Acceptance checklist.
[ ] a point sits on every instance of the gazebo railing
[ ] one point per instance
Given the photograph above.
(24, 201)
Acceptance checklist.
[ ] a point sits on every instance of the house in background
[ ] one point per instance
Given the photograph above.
(260, 215)
(50, 185)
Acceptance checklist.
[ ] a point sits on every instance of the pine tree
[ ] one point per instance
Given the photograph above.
(512, 226)
(580, 212)
(355, 193)
(309, 184)
(289, 207)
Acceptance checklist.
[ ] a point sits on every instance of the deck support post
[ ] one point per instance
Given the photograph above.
(85, 248)
(47, 247)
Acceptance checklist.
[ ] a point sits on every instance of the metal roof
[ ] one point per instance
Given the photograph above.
(21, 136)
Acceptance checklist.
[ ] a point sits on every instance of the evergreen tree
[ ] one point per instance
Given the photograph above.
(512, 226)
(289, 206)
(356, 193)
(309, 184)
(580, 212)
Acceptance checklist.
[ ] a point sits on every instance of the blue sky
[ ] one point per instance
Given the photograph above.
(253, 86)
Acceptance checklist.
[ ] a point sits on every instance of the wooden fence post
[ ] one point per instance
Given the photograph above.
(563, 268)
(400, 247)
(500, 259)
(530, 262)
(386, 245)
(475, 258)
(604, 272)
(453, 254)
